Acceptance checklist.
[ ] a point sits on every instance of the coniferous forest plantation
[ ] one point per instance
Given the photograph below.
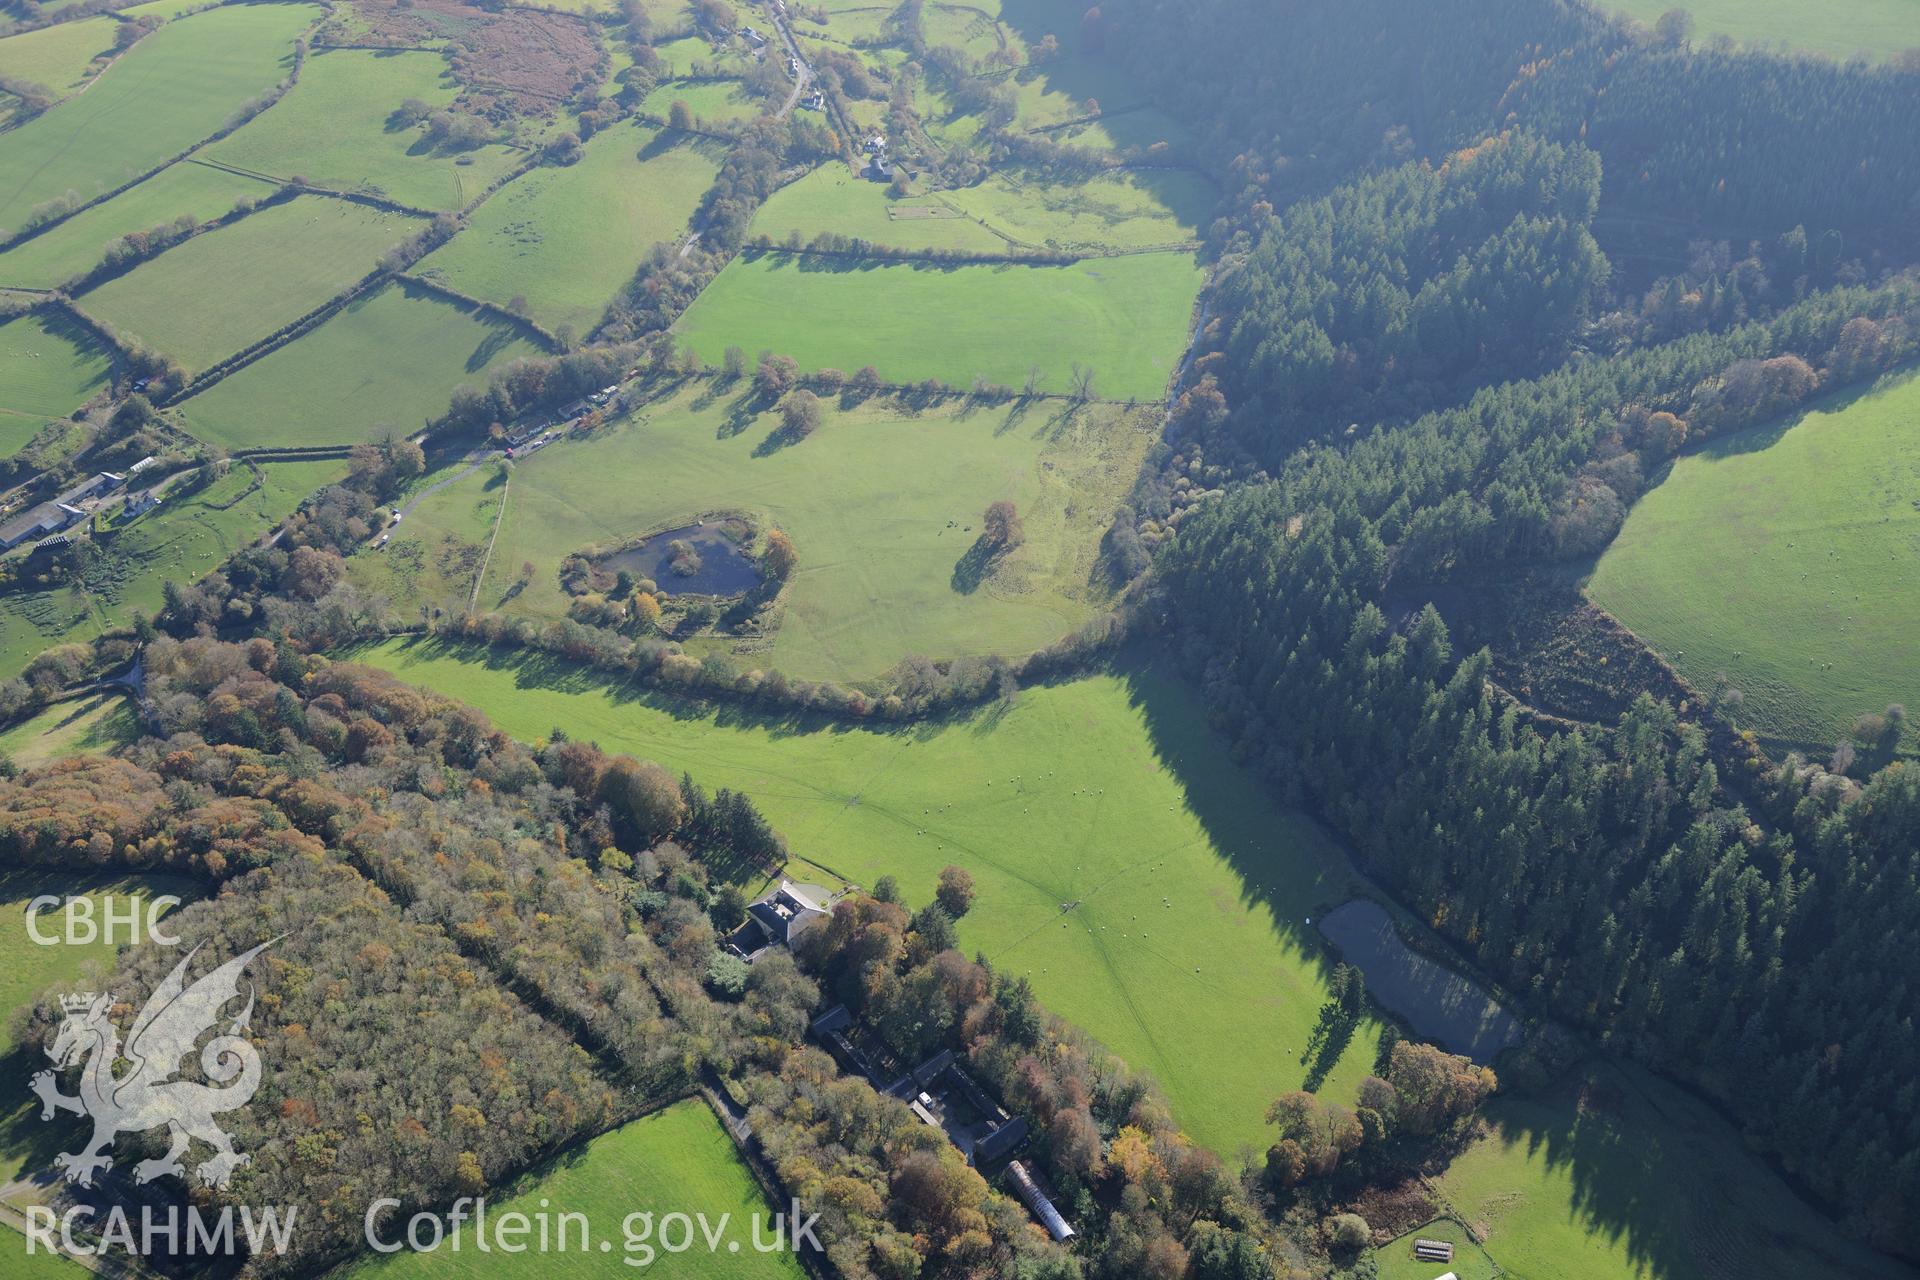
(960, 639)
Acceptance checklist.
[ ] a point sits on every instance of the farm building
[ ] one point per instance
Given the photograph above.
(777, 919)
(59, 513)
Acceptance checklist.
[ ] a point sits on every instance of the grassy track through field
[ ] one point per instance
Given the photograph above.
(1124, 864)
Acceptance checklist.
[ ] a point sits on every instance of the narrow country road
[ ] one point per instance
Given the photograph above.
(803, 74)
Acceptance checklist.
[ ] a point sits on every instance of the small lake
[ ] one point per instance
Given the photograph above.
(1439, 1004)
(718, 566)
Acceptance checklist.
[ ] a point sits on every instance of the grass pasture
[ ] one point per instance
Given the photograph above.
(57, 58)
(1395, 1260)
(678, 57)
(27, 968)
(969, 29)
(169, 91)
(1617, 1174)
(1876, 28)
(385, 362)
(181, 540)
(832, 199)
(1119, 209)
(719, 102)
(272, 267)
(99, 723)
(1185, 951)
(334, 129)
(1787, 556)
(1126, 318)
(49, 367)
(73, 247)
(568, 239)
(878, 501)
(674, 1161)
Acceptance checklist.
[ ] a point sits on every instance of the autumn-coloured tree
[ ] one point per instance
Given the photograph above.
(780, 556)
(955, 891)
(1000, 527)
(800, 413)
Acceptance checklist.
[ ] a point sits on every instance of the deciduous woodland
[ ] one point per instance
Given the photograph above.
(1190, 639)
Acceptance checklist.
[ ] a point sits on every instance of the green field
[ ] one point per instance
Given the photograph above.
(568, 239)
(677, 57)
(267, 270)
(1470, 1262)
(99, 723)
(334, 129)
(674, 1161)
(27, 968)
(1787, 556)
(385, 362)
(57, 58)
(1126, 318)
(712, 101)
(172, 89)
(878, 502)
(164, 10)
(27, 1145)
(1873, 27)
(1187, 953)
(179, 541)
(1616, 1174)
(1119, 209)
(830, 199)
(49, 367)
(73, 247)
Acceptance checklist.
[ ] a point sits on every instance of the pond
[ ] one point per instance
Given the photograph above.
(1439, 1004)
(697, 559)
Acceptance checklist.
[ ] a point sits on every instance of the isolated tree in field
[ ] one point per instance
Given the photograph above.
(780, 557)
(1001, 527)
(680, 115)
(955, 891)
(733, 362)
(800, 413)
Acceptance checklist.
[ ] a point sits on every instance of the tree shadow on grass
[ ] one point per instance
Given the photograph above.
(973, 567)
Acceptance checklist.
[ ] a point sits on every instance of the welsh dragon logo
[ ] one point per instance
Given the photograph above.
(148, 1096)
